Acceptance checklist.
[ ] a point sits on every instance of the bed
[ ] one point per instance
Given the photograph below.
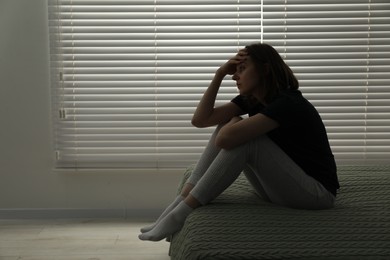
(239, 225)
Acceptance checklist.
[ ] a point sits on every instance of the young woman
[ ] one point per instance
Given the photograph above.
(282, 147)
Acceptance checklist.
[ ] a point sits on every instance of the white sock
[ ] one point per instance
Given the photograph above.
(166, 211)
(169, 225)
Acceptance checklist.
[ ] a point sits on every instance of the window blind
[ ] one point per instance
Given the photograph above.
(126, 75)
(340, 52)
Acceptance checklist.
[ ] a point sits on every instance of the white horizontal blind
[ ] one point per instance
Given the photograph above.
(127, 75)
(340, 52)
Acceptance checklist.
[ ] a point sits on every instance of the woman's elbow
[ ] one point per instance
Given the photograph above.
(197, 123)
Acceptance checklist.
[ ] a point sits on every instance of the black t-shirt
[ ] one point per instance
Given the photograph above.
(301, 134)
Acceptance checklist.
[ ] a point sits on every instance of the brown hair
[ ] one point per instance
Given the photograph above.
(276, 75)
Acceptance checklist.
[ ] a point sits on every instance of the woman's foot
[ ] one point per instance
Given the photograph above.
(166, 212)
(169, 225)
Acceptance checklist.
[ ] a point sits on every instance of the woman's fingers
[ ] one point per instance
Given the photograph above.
(230, 66)
(241, 55)
(243, 52)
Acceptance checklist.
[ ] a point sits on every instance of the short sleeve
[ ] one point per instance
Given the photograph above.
(248, 105)
(240, 102)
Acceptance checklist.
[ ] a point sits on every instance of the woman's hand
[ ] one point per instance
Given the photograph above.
(206, 114)
(239, 131)
(231, 122)
(229, 68)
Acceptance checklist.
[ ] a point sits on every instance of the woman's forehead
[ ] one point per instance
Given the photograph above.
(248, 61)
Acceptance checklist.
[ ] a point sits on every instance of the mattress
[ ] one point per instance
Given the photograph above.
(239, 225)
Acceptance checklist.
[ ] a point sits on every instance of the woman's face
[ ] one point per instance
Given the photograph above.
(247, 78)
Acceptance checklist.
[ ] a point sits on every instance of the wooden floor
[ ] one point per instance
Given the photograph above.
(73, 239)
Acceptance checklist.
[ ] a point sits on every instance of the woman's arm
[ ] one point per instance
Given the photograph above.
(206, 114)
(239, 131)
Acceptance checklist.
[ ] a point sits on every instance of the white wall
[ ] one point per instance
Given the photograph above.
(28, 179)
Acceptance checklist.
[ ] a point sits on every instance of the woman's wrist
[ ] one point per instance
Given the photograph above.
(220, 74)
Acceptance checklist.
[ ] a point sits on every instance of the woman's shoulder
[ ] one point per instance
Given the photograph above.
(288, 97)
(293, 94)
(290, 102)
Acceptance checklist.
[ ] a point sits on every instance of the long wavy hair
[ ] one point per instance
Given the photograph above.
(275, 74)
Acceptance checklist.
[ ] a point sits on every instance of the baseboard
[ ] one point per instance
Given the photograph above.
(134, 214)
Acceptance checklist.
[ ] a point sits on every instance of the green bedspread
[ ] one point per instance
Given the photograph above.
(239, 225)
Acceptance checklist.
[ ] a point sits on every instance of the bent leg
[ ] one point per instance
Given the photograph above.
(209, 154)
(284, 182)
(223, 171)
(207, 157)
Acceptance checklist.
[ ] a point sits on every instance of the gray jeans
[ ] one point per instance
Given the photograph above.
(272, 173)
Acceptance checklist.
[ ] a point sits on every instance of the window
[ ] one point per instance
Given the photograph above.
(127, 74)
(340, 52)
